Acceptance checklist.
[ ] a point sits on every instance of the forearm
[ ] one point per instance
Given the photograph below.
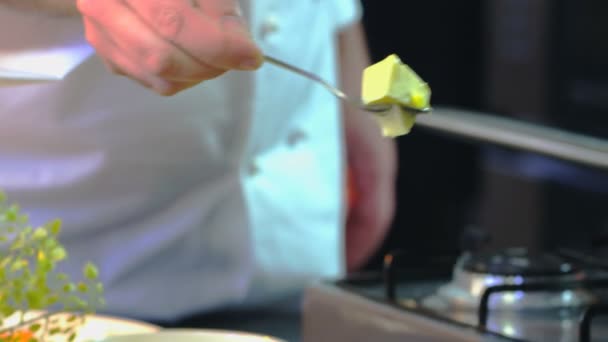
(354, 57)
(55, 7)
(371, 160)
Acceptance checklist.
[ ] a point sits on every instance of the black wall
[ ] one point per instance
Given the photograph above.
(541, 61)
(439, 176)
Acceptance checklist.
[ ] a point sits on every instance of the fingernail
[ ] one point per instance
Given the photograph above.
(250, 64)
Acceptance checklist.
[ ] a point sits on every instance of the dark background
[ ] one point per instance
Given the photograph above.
(539, 61)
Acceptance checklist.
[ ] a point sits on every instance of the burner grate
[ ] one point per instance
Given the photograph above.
(590, 312)
(587, 317)
(518, 262)
(397, 262)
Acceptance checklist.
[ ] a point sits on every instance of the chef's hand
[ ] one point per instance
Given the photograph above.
(169, 45)
(371, 161)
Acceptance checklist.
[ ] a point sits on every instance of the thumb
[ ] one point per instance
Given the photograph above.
(240, 50)
(237, 49)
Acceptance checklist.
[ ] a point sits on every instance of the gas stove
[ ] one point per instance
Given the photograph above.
(507, 295)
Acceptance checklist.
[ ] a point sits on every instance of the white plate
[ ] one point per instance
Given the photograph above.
(194, 335)
(96, 327)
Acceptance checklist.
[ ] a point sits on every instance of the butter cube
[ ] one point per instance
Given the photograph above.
(390, 81)
(395, 122)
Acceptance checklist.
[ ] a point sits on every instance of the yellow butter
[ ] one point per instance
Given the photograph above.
(390, 81)
(395, 122)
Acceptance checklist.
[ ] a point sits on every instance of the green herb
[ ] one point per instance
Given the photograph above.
(29, 280)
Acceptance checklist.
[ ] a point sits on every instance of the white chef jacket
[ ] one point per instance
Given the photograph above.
(227, 194)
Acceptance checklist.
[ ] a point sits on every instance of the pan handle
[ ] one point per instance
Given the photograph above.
(517, 134)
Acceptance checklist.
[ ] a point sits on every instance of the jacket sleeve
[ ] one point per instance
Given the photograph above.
(40, 47)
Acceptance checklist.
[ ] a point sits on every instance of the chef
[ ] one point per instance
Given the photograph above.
(196, 176)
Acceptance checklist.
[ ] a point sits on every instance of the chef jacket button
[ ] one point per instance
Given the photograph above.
(269, 26)
(295, 137)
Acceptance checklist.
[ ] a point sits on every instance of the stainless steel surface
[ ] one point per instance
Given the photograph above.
(332, 314)
(530, 325)
(377, 109)
(518, 134)
(466, 288)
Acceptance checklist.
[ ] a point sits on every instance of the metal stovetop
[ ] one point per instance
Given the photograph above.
(364, 308)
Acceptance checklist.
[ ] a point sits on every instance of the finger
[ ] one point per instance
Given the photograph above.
(114, 60)
(218, 8)
(154, 55)
(118, 62)
(103, 46)
(211, 32)
(113, 68)
(236, 31)
(122, 65)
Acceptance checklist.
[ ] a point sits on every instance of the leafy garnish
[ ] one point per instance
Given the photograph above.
(30, 281)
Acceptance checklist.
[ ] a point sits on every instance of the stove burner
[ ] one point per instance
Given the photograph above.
(518, 262)
(474, 274)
